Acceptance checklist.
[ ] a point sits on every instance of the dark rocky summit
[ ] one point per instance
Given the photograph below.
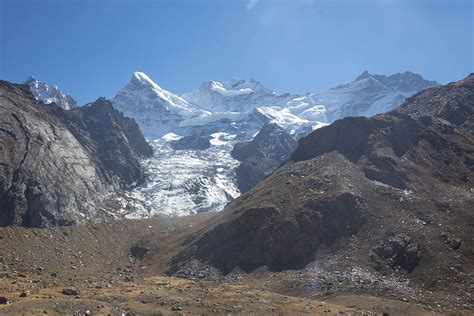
(370, 193)
(259, 157)
(271, 142)
(57, 166)
(198, 142)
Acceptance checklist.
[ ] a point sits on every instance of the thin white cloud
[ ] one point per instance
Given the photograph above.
(251, 4)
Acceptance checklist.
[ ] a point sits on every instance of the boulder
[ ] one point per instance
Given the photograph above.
(70, 292)
(139, 250)
(398, 251)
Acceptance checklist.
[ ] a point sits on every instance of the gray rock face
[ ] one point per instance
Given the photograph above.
(111, 137)
(271, 146)
(199, 142)
(252, 170)
(56, 166)
(269, 236)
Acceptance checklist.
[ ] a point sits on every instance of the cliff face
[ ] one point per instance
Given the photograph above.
(259, 157)
(113, 140)
(57, 166)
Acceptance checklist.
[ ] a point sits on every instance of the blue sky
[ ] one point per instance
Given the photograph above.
(90, 48)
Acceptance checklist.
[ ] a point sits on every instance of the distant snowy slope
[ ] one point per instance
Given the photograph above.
(48, 94)
(370, 94)
(365, 96)
(238, 95)
(243, 96)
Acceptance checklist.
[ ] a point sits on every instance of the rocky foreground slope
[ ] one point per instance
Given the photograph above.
(92, 270)
(391, 195)
(58, 167)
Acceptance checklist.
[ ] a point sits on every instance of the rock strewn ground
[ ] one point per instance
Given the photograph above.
(89, 270)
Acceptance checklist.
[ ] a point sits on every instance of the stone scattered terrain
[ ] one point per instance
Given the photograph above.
(57, 167)
(91, 270)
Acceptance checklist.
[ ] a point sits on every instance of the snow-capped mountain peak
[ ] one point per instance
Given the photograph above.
(237, 95)
(370, 94)
(233, 87)
(155, 109)
(404, 81)
(48, 94)
(363, 75)
(142, 83)
(251, 84)
(144, 79)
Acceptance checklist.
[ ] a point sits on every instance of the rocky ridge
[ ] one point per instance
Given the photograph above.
(264, 153)
(58, 167)
(48, 94)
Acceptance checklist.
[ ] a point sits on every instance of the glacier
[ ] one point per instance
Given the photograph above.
(183, 182)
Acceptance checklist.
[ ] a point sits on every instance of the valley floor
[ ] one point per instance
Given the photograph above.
(36, 265)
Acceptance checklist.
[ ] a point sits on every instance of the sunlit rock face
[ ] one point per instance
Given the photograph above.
(59, 166)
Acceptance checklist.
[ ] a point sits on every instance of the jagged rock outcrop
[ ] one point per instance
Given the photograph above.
(397, 180)
(48, 94)
(57, 166)
(198, 142)
(259, 157)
